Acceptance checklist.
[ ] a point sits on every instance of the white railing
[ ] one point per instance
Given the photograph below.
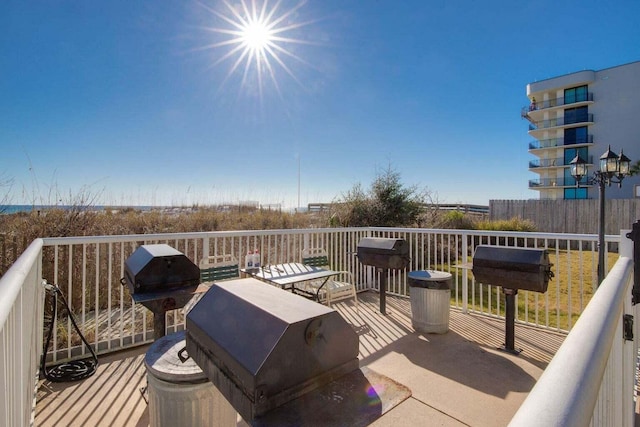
(88, 271)
(590, 380)
(21, 319)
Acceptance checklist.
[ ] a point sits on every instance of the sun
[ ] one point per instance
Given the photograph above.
(257, 39)
(256, 36)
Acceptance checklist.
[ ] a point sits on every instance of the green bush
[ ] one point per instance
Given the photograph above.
(513, 224)
(387, 203)
(457, 220)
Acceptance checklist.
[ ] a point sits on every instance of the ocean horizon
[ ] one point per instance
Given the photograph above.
(13, 209)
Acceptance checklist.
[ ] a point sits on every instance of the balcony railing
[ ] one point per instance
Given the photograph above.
(558, 142)
(554, 103)
(21, 325)
(561, 121)
(552, 182)
(551, 163)
(546, 163)
(590, 380)
(88, 271)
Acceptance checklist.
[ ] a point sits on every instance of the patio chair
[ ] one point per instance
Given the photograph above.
(219, 267)
(214, 269)
(337, 288)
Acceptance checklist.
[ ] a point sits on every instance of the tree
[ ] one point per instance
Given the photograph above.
(388, 203)
(635, 168)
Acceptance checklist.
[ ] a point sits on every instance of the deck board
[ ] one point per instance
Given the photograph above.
(435, 367)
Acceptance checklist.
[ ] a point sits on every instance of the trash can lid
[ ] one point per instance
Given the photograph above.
(162, 361)
(431, 279)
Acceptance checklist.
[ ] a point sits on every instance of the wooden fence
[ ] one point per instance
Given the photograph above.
(569, 216)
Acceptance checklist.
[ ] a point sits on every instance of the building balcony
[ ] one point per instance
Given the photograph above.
(558, 142)
(561, 122)
(534, 111)
(558, 162)
(457, 378)
(540, 183)
(546, 163)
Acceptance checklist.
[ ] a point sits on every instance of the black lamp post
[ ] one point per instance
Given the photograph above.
(613, 169)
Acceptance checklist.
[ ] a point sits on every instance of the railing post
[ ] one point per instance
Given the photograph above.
(465, 273)
(629, 350)
(635, 236)
(305, 242)
(205, 248)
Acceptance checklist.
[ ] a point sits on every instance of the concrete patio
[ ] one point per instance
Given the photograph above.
(456, 379)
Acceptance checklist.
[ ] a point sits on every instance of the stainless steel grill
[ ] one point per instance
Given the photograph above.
(384, 254)
(161, 278)
(162, 268)
(263, 347)
(512, 269)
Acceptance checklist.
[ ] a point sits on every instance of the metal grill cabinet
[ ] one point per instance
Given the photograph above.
(512, 269)
(263, 347)
(161, 278)
(384, 254)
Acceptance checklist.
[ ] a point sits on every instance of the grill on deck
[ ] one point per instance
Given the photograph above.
(512, 269)
(161, 278)
(262, 347)
(385, 254)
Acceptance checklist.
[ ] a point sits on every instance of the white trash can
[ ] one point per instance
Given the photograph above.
(430, 294)
(180, 394)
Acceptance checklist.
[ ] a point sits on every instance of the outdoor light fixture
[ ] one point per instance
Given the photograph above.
(613, 169)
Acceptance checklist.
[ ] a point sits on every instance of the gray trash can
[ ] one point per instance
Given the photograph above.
(430, 293)
(180, 394)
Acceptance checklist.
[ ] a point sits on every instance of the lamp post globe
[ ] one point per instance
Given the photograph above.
(609, 163)
(578, 168)
(624, 167)
(613, 168)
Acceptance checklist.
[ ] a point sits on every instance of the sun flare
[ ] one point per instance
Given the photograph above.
(257, 38)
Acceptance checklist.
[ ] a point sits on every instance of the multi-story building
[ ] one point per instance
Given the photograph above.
(583, 113)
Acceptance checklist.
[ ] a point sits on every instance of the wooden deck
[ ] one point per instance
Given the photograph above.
(456, 379)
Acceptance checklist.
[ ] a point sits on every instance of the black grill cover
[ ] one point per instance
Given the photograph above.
(512, 268)
(262, 346)
(387, 253)
(152, 268)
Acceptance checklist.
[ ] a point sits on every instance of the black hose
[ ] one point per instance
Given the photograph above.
(74, 370)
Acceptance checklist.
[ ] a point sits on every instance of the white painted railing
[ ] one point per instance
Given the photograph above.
(21, 318)
(88, 271)
(590, 380)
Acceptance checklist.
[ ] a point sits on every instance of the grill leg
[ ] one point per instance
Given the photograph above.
(159, 324)
(510, 320)
(383, 291)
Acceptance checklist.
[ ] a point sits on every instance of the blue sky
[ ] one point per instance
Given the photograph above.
(135, 103)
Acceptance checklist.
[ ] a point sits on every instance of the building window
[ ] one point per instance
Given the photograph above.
(576, 136)
(576, 115)
(576, 94)
(571, 153)
(575, 193)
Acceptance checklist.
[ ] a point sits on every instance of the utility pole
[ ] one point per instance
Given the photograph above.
(298, 182)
